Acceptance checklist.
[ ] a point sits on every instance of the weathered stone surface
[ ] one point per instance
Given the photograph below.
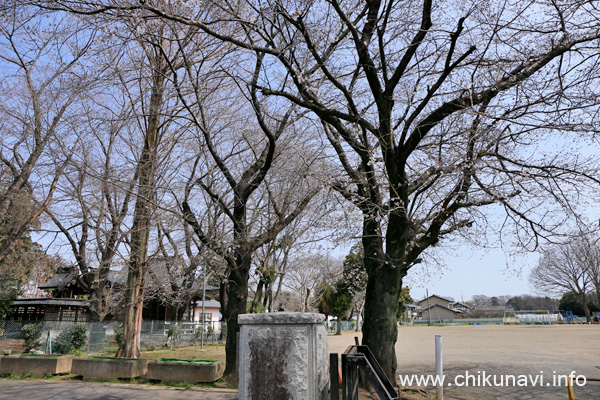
(109, 369)
(284, 357)
(284, 318)
(36, 366)
(185, 372)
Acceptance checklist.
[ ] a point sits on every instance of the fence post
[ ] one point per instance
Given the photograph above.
(91, 329)
(439, 368)
(334, 383)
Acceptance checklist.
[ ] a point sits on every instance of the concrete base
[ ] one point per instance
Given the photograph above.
(185, 372)
(283, 356)
(109, 369)
(37, 366)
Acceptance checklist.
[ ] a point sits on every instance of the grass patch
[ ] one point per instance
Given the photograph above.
(41, 355)
(185, 385)
(210, 352)
(179, 360)
(113, 358)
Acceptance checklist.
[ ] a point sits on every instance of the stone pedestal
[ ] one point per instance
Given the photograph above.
(283, 356)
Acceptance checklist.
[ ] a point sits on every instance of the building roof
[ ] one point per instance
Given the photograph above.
(439, 297)
(209, 303)
(462, 304)
(51, 302)
(59, 280)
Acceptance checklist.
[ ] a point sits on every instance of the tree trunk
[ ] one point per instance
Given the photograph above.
(380, 330)
(306, 300)
(237, 297)
(257, 296)
(268, 296)
(339, 326)
(384, 286)
(358, 313)
(586, 309)
(132, 320)
(140, 228)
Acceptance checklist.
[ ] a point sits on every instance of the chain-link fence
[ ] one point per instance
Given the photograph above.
(331, 326)
(101, 335)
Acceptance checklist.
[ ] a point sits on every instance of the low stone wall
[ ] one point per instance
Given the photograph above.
(166, 371)
(37, 366)
(109, 369)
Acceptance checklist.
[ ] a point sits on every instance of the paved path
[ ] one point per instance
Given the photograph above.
(62, 390)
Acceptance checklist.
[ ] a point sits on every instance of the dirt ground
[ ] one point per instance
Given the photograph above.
(498, 350)
(546, 350)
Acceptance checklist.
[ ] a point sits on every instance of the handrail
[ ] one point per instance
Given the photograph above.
(360, 356)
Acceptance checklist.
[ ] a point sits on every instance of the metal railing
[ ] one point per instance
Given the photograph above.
(359, 358)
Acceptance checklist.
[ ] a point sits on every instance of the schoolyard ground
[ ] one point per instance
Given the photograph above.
(534, 350)
(496, 350)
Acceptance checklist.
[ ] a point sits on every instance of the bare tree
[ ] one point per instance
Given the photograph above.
(42, 58)
(438, 116)
(566, 268)
(237, 171)
(434, 111)
(304, 274)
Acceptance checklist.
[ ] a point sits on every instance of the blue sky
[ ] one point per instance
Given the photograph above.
(491, 272)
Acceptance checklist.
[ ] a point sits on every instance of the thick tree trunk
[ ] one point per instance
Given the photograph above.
(132, 320)
(237, 297)
(140, 228)
(380, 328)
(384, 284)
(339, 326)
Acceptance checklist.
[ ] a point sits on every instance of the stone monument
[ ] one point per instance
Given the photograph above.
(283, 356)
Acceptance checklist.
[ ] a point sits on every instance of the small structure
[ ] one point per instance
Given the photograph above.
(65, 284)
(36, 365)
(193, 371)
(412, 311)
(109, 368)
(437, 312)
(50, 309)
(462, 307)
(62, 305)
(435, 299)
(212, 313)
(283, 355)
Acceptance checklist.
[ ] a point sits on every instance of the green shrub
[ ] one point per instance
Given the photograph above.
(31, 334)
(76, 352)
(174, 335)
(119, 334)
(72, 338)
(174, 331)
